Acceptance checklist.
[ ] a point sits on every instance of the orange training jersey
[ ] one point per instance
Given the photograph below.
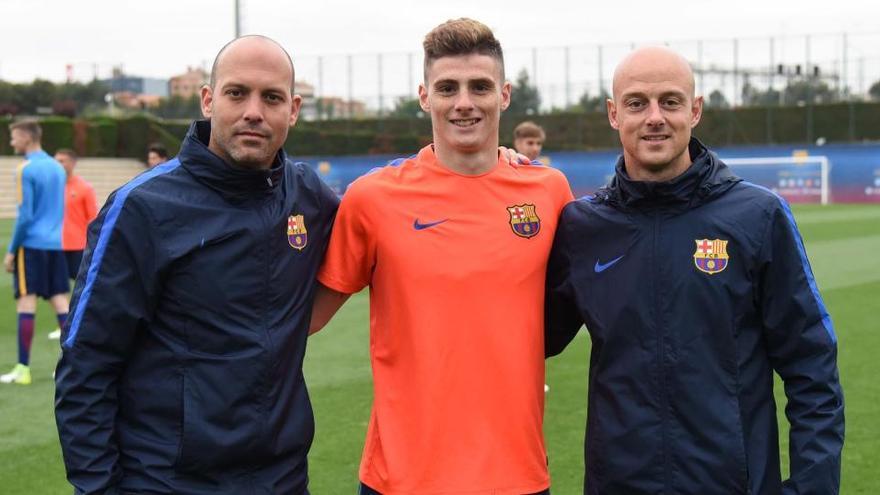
(80, 208)
(456, 268)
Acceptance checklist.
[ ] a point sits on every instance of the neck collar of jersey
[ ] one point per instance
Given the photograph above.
(30, 155)
(214, 172)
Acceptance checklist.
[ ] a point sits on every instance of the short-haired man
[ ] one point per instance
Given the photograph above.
(80, 208)
(528, 139)
(453, 243)
(698, 290)
(157, 154)
(34, 256)
(181, 369)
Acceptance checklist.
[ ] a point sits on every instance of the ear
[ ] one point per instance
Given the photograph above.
(506, 90)
(612, 113)
(295, 104)
(423, 98)
(696, 111)
(207, 101)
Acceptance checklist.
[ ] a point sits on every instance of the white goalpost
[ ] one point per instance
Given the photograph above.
(796, 178)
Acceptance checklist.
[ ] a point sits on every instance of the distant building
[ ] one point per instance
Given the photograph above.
(121, 83)
(333, 107)
(327, 107)
(127, 99)
(189, 83)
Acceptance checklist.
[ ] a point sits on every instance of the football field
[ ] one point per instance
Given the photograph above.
(843, 243)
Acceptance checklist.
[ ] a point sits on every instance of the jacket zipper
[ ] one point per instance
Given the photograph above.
(662, 339)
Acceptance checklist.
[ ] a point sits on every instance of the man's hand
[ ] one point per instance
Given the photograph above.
(8, 262)
(513, 157)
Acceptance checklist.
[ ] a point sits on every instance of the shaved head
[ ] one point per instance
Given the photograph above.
(654, 110)
(655, 63)
(247, 42)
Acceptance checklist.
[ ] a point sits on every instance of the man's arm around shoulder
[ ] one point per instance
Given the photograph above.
(327, 303)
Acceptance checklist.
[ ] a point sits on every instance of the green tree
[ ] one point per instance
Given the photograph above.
(803, 91)
(589, 104)
(179, 108)
(717, 100)
(874, 91)
(407, 108)
(752, 96)
(525, 99)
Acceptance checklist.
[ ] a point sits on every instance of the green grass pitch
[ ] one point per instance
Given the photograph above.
(843, 242)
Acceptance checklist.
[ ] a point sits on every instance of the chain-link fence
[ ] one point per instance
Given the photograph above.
(797, 70)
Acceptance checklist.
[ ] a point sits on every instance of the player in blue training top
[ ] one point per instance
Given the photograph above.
(35, 257)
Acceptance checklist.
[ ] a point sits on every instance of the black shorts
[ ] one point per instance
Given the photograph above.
(74, 258)
(39, 272)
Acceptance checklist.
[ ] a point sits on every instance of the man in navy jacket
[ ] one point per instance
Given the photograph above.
(695, 288)
(181, 369)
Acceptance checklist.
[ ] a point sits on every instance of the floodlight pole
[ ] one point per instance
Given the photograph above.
(237, 18)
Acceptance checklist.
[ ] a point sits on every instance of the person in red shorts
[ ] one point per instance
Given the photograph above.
(453, 244)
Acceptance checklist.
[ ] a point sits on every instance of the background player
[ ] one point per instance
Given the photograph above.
(453, 244)
(35, 257)
(528, 139)
(156, 155)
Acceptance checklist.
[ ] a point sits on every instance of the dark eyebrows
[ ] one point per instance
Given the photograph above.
(471, 82)
(281, 91)
(483, 82)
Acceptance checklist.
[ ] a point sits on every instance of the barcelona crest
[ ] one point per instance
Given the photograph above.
(524, 220)
(297, 236)
(711, 255)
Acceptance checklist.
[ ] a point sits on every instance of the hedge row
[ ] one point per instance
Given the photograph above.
(129, 137)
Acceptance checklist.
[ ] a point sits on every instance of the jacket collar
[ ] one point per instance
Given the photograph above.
(214, 172)
(706, 178)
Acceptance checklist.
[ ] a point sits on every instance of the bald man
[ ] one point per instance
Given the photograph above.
(182, 359)
(695, 288)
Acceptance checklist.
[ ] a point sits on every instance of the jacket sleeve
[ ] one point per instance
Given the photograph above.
(113, 298)
(803, 350)
(561, 317)
(25, 214)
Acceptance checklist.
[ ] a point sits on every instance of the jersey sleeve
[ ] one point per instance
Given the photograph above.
(24, 189)
(90, 203)
(351, 254)
(802, 347)
(114, 297)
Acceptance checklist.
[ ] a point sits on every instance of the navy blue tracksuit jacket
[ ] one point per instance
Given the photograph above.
(181, 366)
(694, 292)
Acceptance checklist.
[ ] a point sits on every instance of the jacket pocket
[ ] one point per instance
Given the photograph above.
(220, 424)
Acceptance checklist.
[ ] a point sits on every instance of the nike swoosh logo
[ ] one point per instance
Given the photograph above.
(600, 267)
(423, 226)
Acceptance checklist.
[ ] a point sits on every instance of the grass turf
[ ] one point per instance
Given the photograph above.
(842, 241)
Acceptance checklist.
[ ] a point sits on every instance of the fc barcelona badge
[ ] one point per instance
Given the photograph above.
(711, 255)
(297, 236)
(524, 220)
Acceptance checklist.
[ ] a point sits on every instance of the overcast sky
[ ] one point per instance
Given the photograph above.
(160, 38)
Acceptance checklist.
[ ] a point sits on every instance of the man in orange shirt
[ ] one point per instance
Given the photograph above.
(80, 208)
(453, 244)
